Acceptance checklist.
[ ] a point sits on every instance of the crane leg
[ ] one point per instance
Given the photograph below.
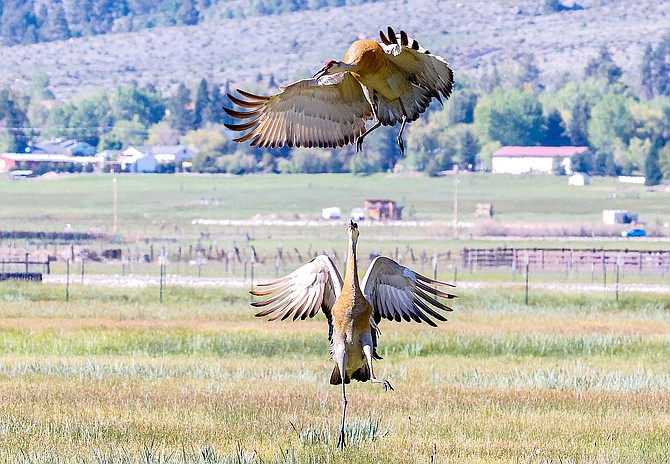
(367, 351)
(401, 144)
(341, 363)
(359, 140)
(340, 442)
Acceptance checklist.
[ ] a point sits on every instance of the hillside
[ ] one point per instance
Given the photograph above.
(474, 36)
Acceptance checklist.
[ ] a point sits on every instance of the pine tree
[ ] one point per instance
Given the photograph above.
(661, 67)
(461, 107)
(647, 84)
(18, 22)
(181, 113)
(217, 101)
(556, 132)
(652, 168)
(603, 66)
(202, 112)
(581, 113)
(13, 119)
(53, 24)
(187, 14)
(468, 150)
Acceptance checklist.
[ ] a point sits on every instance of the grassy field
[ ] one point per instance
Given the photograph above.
(115, 377)
(161, 212)
(154, 204)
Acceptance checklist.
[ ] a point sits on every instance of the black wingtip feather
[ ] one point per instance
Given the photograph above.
(392, 36)
(403, 38)
(385, 39)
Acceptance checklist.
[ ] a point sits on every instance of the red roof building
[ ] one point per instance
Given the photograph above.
(6, 164)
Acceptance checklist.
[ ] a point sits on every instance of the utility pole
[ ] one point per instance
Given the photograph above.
(455, 218)
(116, 206)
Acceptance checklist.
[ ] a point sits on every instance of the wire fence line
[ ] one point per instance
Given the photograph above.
(203, 259)
(173, 265)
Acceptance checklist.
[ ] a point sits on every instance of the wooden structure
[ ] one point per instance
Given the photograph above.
(562, 258)
(484, 210)
(383, 210)
(18, 264)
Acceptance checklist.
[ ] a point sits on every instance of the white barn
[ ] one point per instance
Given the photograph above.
(525, 160)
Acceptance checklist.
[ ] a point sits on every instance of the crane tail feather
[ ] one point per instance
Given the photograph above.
(335, 377)
(362, 374)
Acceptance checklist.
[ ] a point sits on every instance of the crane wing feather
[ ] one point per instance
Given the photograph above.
(421, 67)
(302, 293)
(328, 112)
(397, 293)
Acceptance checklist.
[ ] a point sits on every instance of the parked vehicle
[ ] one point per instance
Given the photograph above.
(634, 233)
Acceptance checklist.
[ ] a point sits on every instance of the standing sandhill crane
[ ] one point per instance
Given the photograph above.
(390, 82)
(353, 310)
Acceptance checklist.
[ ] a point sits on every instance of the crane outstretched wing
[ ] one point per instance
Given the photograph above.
(312, 287)
(328, 112)
(421, 67)
(397, 293)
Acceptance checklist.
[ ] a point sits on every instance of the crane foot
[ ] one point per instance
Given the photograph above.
(340, 442)
(359, 144)
(386, 385)
(401, 145)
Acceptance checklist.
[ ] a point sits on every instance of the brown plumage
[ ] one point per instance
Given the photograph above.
(388, 82)
(388, 291)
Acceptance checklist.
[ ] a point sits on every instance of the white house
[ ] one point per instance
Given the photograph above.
(133, 160)
(523, 160)
(167, 153)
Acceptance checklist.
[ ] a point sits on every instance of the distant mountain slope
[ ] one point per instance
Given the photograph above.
(473, 35)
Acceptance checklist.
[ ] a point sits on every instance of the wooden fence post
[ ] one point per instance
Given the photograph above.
(527, 270)
(67, 281)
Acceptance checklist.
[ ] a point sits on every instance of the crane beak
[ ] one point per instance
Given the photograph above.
(322, 72)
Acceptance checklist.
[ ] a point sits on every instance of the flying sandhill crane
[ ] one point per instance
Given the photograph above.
(388, 82)
(388, 290)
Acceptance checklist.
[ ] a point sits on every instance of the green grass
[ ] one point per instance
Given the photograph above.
(145, 201)
(569, 378)
(156, 213)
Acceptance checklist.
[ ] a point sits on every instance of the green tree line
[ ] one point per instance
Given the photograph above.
(626, 127)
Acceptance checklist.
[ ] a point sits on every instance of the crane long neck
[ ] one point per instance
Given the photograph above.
(351, 274)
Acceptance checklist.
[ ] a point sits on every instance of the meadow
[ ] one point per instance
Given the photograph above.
(165, 206)
(113, 376)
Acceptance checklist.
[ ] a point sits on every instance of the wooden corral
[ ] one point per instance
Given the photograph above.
(383, 210)
(19, 264)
